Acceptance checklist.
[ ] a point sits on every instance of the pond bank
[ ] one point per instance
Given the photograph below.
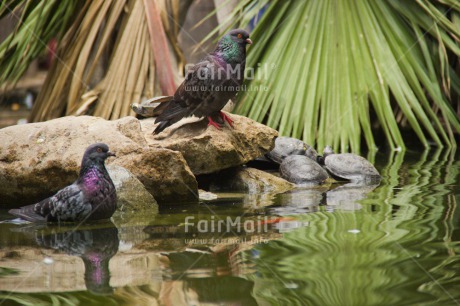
(38, 159)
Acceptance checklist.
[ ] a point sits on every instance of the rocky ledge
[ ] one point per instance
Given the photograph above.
(38, 159)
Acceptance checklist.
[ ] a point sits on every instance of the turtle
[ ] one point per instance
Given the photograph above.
(349, 166)
(299, 169)
(150, 107)
(287, 146)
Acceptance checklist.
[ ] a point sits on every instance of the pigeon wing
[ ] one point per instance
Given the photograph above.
(68, 204)
(195, 89)
(27, 213)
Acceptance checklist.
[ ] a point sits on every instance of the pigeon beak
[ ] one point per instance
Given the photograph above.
(248, 41)
(110, 154)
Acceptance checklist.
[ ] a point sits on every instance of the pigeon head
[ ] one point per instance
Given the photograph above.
(232, 46)
(240, 36)
(97, 152)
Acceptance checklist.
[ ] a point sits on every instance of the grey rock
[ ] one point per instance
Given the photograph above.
(133, 197)
(207, 196)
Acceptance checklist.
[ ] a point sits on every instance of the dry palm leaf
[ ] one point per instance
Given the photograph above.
(106, 62)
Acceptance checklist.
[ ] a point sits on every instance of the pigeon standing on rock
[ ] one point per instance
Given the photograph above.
(209, 84)
(91, 197)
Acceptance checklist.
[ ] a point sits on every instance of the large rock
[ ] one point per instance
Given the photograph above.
(38, 159)
(249, 180)
(208, 150)
(132, 197)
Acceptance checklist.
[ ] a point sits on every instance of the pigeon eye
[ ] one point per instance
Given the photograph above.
(239, 36)
(99, 150)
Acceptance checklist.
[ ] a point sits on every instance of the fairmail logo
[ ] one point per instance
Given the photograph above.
(260, 72)
(228, 225)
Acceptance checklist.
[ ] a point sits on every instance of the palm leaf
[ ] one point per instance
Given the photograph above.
(339, 63)
(105, 60)
(38, 22)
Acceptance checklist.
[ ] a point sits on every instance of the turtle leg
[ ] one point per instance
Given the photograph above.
(226, 118)
(213, 123)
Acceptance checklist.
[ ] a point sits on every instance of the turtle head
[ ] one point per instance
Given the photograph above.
(328, 151)
(320, 160)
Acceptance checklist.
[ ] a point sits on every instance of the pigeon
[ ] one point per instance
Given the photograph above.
(91, 197)
(209, 84)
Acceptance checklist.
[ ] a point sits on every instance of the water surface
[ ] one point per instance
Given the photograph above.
(391, 244)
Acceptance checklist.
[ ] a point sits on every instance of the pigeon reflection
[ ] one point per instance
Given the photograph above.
(95, 247)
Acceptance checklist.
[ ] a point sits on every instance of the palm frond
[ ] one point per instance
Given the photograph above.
(105, 61)
(339, 63)
(38, 23)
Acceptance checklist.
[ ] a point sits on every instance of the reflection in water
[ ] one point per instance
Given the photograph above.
(94, 246)
(307, 200)
(403, 256)
(210, 277)
(392, 244)
(344, 197)
(210, 290)
(301, 200)
(347, 197)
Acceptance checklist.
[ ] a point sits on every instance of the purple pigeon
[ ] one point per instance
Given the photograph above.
(91, 197)
(209, 84)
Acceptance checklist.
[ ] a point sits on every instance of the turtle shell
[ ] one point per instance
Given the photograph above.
(351, 167)
(299, 169)
(287, 146)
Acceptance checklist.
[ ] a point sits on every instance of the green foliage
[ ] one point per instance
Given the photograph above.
(38, 22)
(339, 64)
(5, 271)
(405, 252)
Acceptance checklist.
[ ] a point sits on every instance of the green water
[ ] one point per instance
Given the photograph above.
(392, 244)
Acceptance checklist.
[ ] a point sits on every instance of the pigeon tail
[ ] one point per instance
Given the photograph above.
(161, 127)
(27, 213)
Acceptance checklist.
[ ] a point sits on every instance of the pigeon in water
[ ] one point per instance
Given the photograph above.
(209, 84)
(92, 196)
